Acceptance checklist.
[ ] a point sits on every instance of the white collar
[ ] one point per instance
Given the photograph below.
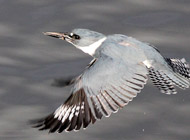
(91, 49)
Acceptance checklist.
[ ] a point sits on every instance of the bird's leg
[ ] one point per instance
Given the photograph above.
(63, 82)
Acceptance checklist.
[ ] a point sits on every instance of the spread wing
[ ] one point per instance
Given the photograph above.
(105, 86)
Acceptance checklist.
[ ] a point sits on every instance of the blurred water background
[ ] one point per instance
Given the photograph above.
(29, 61)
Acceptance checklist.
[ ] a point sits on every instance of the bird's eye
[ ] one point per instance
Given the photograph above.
(74, 36)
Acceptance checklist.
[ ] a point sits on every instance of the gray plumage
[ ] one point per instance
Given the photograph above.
(118, 72)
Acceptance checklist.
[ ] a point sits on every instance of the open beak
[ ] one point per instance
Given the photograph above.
(57, 35)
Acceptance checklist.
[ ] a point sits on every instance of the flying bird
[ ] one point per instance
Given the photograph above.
(119, 70)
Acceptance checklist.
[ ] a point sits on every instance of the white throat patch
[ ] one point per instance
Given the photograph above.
(92, 48)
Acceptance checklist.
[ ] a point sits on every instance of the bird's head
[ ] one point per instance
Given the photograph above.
(78, 37)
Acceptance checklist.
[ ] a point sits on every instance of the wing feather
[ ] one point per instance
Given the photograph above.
(104, 87)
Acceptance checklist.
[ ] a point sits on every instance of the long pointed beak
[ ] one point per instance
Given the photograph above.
(56, 35)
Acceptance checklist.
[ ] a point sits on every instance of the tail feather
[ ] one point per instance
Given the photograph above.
(179, 66)
(162, 81)
(165, 80)
(179, 80)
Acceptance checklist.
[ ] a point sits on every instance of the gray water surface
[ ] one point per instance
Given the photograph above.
(29, 61)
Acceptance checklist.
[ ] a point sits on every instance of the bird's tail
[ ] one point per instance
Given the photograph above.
(179, 66)
(166, 80)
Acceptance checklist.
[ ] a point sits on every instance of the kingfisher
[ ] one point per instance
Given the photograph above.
(119, 70)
